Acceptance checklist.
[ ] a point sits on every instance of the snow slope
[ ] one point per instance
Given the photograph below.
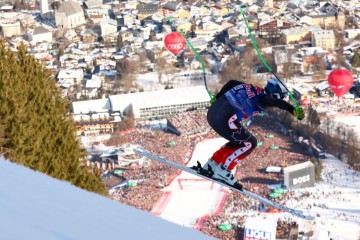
(337, 201)
(35, 206)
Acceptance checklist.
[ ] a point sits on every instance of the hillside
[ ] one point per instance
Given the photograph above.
(35, 206)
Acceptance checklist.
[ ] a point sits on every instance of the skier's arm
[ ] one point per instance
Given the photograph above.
(268, 101)
(229, 85)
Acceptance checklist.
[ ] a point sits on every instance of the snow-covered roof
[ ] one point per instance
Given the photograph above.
(159, 98)
(93, 3)
(93, 83)
(70, 8)
(69, 74)
(323, 85)
(296, 30)
(98, 106)
(7, 7)
(108, 21)
(301, 89)
(324, 34)
(40, 30)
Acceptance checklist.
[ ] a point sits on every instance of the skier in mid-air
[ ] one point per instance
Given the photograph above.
(236, 102)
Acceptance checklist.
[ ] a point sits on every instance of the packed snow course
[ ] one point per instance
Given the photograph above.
(190, 197)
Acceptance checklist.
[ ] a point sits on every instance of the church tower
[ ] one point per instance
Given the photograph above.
(44, 6)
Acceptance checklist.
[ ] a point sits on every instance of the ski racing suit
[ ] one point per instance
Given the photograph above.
(236, 102)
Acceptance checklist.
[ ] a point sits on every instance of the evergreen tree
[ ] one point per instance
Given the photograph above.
(38, 131)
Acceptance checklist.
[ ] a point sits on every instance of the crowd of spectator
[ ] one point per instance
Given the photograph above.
(156, 176)
(250, 172)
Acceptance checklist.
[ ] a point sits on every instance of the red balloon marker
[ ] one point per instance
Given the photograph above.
(340, 81)
(174, 42)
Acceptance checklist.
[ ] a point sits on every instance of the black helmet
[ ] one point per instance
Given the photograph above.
(276, 88)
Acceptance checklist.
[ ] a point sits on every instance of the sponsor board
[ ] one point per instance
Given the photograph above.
(302, 179)
(300, 175)
(253, 234)
(260, 229)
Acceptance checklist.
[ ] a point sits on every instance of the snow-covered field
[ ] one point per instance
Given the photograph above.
(353, 122)
(35, 206)
(337, 200)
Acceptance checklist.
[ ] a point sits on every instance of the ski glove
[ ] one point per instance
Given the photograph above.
(299, 113)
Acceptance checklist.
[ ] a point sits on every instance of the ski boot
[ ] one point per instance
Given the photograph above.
(210, 166)
(226, 176)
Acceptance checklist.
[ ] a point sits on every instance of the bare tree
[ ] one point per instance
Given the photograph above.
(239, 66)
(340, 60)
(232, 69)
(127, 69)
(313, 121)
(152, 36)
(351, 22)
(250, 61)
(117, 139)
(339, 39)
(289, 66)
(355, 61)
(319, 68)
(160, 67)
(143, 59)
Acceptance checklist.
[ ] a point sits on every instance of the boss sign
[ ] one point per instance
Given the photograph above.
(301, 179)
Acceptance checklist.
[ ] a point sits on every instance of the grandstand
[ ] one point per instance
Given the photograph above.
(146, 105)
(143, 105)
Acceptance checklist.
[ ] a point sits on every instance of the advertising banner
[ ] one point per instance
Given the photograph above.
(260, 229)
(300, 175)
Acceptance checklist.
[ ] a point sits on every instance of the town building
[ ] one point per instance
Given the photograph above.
(146, 10)
(41, 34)
(352, 33)
(324, 39)
(329, 20)
(10, 28)
(293, 35)
(272, 28)
(69, 15)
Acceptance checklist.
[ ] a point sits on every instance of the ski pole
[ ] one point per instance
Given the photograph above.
(212, 97)
(263, 60)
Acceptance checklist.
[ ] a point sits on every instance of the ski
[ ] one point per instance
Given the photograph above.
(241, 190)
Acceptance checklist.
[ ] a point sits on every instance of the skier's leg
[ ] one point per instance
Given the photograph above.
(247, 144)
(223, 120)
(217, 116)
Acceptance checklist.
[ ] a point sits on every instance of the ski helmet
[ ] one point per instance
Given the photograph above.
(276, 88)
